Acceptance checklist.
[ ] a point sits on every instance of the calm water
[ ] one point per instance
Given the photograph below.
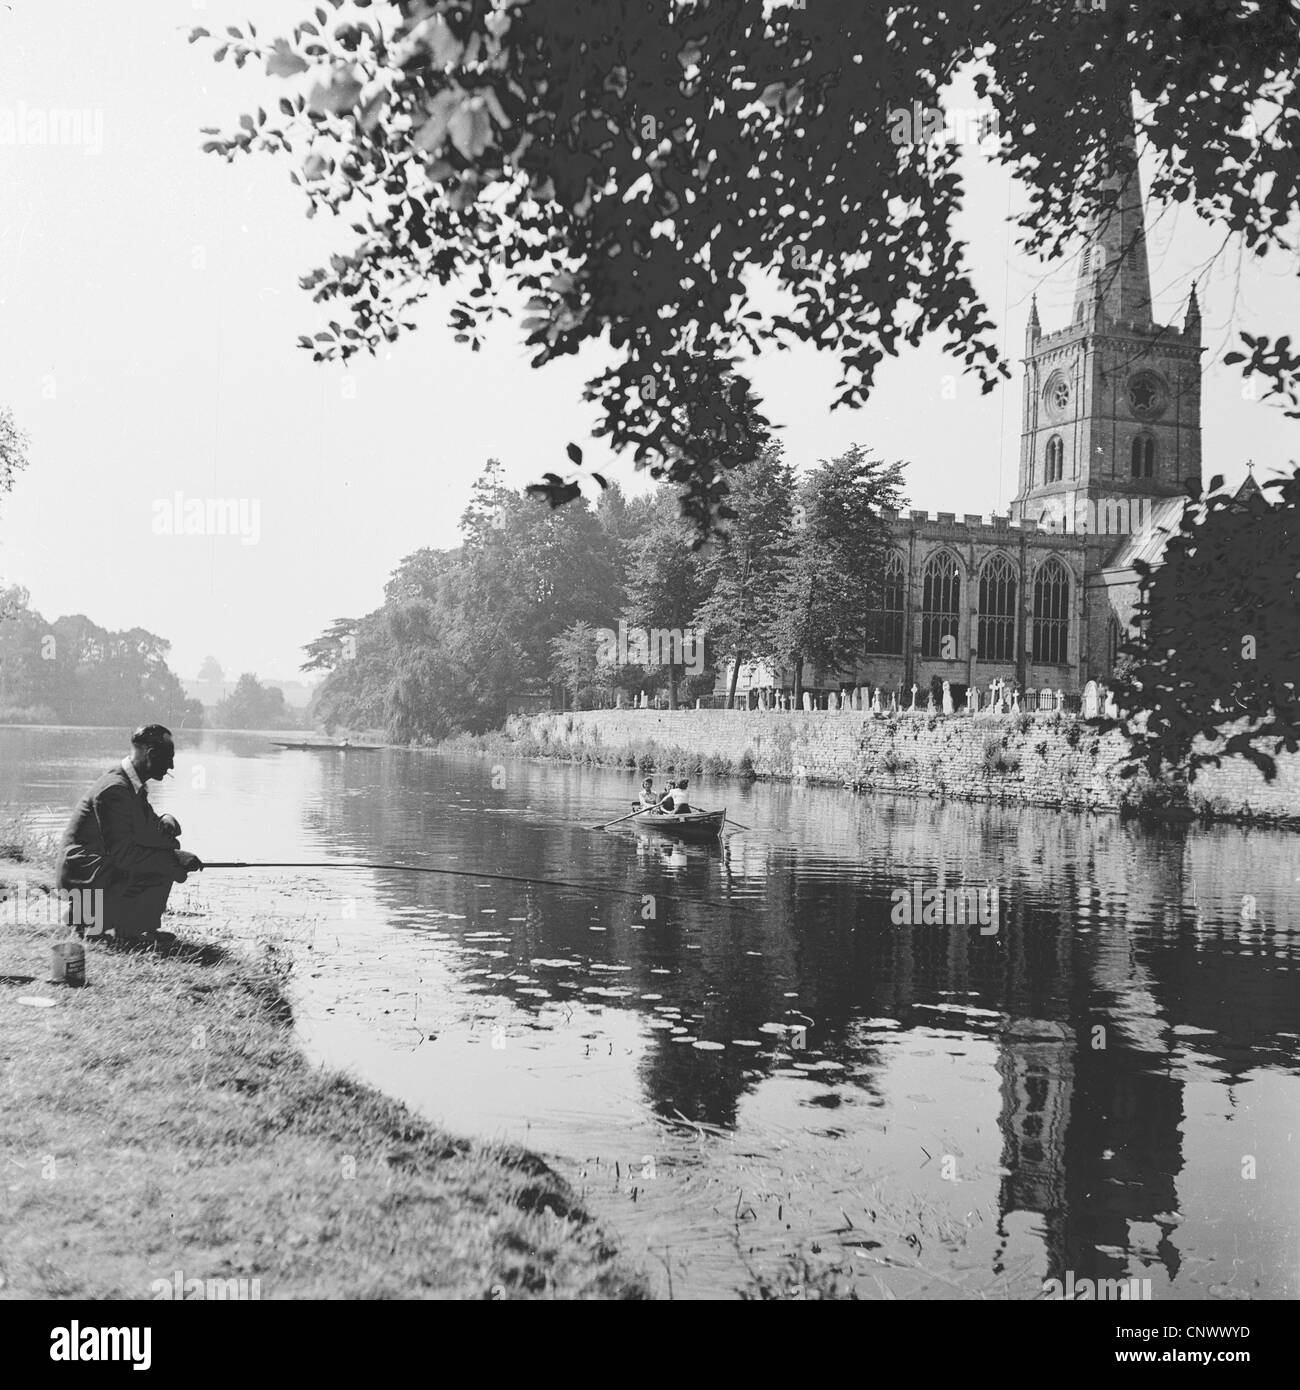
(1088, 1089)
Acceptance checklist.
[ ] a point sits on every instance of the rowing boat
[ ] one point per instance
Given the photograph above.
(693, 825)
(332, 747)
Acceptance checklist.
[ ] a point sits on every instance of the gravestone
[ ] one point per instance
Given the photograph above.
(875, 702)
(1015, 702)
(911, 709)
(1091, 700)
(929, 703)
(1111, 706)
(947, 698)
(832, 702)
(807, 702)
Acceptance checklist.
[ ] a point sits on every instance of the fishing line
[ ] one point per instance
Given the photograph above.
(465, 873)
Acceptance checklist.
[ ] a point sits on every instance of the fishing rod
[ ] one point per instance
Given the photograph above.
(458, 873)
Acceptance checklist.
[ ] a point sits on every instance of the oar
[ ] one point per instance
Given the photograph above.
(457, 873)
(738, 824)
(619, 821)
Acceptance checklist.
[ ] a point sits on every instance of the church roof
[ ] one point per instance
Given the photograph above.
(1249, 491)
(1149, 543)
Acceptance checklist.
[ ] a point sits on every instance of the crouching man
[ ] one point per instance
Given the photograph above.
(116, 842)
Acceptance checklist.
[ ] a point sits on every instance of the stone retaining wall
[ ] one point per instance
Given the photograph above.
(1043, 759)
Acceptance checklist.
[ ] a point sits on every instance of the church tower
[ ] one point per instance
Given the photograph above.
(1112, 401)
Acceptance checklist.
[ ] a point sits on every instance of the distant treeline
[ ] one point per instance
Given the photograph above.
(533, 596)
(72, 671)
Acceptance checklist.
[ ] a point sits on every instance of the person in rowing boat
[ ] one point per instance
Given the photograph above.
(649, 800)
(675, 801)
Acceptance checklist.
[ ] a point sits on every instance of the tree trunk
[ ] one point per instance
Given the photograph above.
(672, 686)
(798, 682)
(735, 679)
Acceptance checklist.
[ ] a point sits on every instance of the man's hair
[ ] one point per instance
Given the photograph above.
(683, 783)
(151, 736)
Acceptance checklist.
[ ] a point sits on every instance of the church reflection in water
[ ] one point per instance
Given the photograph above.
(1116, 944)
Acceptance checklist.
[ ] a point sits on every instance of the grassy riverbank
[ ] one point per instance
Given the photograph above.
(161, 1120)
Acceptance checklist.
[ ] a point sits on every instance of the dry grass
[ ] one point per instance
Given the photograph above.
(161, 1119)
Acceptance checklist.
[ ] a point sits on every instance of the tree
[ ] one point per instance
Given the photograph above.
(252, 705)
(833, 577)
(744, 568)
(577, 665)
(461, 629)
(13, 452)
(1218, 643)
(72, 671)
(211, 670)
(335, 645)
(665, 586)
(634, 170)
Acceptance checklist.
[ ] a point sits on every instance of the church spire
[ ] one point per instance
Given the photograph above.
(1192, 323)
(1033, 329)
(1113, 281)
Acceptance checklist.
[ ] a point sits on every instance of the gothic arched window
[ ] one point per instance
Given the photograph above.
(885, 623)
(1143, 456)
(1055, 460)
(1051, 613)
(1112, 644)
(997, 612)
(940, 606)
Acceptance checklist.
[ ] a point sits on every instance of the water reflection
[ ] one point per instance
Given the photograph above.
(744, 1057)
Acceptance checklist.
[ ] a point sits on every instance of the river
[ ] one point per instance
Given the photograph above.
(750, 1068)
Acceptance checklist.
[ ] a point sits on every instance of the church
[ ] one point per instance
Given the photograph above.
(1043, 597)
(1110, 432)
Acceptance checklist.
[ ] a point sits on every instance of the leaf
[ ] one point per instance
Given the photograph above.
(196, 34)
(575, 454)
(284, 62)
(446, 47)
(341, 94)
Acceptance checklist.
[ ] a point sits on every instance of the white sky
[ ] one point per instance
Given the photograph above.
(149, 312)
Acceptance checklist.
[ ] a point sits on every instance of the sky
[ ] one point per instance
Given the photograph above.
(149, 315)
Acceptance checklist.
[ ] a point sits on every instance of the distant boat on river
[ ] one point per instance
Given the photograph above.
(321, 747)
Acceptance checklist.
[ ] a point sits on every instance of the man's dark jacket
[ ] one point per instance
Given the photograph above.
(114, 836)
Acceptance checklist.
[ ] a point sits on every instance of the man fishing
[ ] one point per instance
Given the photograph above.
(116, 842)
